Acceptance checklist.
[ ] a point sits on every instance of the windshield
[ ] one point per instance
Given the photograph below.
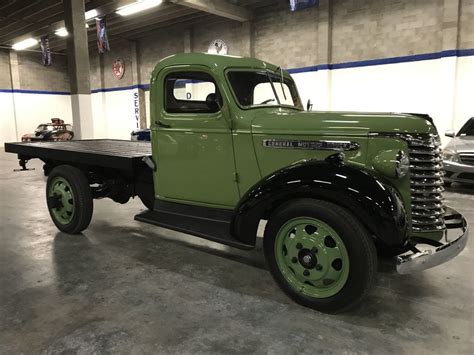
(467, 129)
(261, 88)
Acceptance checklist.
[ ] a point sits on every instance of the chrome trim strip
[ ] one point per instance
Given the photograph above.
(310, 145)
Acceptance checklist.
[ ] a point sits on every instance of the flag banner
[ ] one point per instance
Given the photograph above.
(102, 40)
(45, 51)
(302, 4)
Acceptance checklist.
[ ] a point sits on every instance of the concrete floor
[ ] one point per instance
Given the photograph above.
(128, 287)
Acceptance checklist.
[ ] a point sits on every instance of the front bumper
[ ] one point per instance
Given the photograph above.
(422, 260)
(458, 172)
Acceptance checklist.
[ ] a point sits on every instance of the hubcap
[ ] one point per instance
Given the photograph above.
(61, 200)
(312, 257)
(307, 259)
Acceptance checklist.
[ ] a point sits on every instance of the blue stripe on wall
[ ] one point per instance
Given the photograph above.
(121, 88)
(392, 60)
(44, 92)
(344, 65)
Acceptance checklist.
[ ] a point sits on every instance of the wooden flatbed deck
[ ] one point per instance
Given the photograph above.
(109, 153)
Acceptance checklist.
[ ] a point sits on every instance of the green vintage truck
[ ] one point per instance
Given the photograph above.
(232, 146)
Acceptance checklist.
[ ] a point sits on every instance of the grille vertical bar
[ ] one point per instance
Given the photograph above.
(426, 182)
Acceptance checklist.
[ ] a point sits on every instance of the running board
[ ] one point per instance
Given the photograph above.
(208, 223)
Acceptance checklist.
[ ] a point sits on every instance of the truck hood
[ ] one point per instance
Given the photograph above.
(287, 121)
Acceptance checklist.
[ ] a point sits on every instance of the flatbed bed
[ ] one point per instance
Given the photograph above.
(108, 153)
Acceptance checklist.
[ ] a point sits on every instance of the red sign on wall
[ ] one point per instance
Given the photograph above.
(118, 68)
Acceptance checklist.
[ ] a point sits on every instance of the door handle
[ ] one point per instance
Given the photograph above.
(163, 125)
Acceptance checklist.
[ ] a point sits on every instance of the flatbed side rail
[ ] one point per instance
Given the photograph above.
(107, 153)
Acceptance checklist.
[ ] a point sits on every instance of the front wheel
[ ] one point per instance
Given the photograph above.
(320, 255)
(69, 199)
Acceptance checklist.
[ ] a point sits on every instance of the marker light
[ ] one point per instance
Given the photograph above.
(61, 32)
(91, 14)
(138, 6)
(27, 43)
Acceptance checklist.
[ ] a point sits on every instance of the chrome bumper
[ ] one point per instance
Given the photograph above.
(422, 260)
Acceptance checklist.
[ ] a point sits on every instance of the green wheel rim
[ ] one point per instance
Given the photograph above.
(62, 192)
(312, 257)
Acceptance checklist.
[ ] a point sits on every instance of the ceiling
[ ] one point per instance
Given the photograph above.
(21, 19)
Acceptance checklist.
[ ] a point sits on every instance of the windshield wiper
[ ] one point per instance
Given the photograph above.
(281, 81)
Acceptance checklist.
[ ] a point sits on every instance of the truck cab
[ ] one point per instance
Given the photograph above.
(232, 146)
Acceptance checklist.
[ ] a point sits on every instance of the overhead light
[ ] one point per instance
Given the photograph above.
(91, 14)
(140, 5)
(61, 32)
(27, 43)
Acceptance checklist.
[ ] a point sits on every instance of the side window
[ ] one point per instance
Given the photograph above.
(191, 92)
(467, 129)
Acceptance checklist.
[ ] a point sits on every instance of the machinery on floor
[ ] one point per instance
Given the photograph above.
(231, 145)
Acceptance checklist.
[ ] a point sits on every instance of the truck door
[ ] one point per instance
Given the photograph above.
(192, 141)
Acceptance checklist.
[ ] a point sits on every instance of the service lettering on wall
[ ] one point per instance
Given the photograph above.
(136, 107)
(118, 68)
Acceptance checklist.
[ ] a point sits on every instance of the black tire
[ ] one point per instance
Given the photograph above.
(360, 249)
(83, 204)
(148, 201)
(47, 169)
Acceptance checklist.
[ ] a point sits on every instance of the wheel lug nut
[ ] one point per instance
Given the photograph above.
(299, 246)
(294, 260)
(314, 250)
(306, 273)
(319, 267)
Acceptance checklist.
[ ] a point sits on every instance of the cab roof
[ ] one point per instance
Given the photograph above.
(214, 61)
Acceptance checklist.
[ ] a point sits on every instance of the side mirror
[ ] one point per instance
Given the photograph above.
(309, 105)
(450, 133)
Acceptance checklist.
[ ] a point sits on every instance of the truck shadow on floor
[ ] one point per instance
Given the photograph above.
(129, 268)
(217, 265)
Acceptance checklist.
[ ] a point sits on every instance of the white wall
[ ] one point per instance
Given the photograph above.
(30, 110)
(7, 121)
(114, 114)
(464, 94)
(442, 88)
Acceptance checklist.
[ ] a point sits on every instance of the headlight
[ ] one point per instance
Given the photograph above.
(402, 164)
(449, 155)
(393, 163)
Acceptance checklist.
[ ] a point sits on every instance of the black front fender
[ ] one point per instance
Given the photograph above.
(375, 203)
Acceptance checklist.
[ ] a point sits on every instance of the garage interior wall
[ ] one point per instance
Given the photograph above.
(391, 56)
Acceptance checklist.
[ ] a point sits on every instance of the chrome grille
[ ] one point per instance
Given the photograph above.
(426, 182)
(467, 158)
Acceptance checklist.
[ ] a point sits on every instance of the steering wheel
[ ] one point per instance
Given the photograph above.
(266, 101)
